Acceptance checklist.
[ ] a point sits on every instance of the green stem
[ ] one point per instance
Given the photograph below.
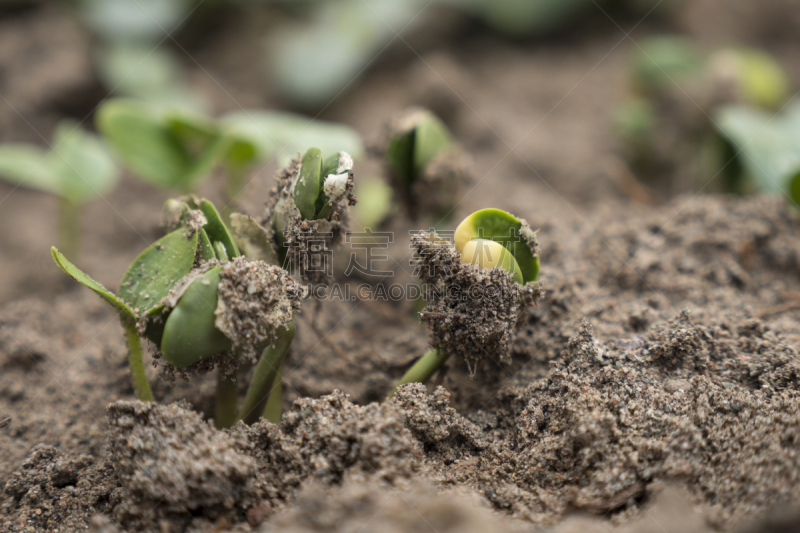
(274, 407)
(69, 228)
(136, 363)
(422, 370)
(264, 377)
(227, 396)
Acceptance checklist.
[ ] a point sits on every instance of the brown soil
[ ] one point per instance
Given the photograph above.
(657, 378)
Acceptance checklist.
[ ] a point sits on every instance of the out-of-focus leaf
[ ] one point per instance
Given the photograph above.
(85, 163)
(767, 146)
(431, 139)
(375, 203)
(311, 63)
(274, 132)
(79, 169)
(134, 19)
(30, 166)
(761, 79)
(664, 60)
(144, 142)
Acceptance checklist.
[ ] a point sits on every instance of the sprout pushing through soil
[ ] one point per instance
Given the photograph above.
(306, 214)
(477, 289)
(203, 304)
(428, 169)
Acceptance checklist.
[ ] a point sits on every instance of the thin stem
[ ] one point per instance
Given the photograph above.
(227, 396)
(422, 370)
(274, 407)
(69, 228)
(136, 363)
(264, 377)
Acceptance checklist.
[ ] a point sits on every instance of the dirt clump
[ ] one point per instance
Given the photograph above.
(326, 438)
(174, 466)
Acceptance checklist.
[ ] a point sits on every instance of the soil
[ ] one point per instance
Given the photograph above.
(653, 388)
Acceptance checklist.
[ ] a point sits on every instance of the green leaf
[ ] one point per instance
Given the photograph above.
(252, 239)
(30, 166)
(431, 139)
(307, 189)
(274, 133)
(125, 313)
(200, 139)
(157, 269)
(85, 163)
(504, 228)
(216, 229)
(190, 334)
(375, 203)
(665, 60)
(400, 156)
(145, 143)
(766, 146)
(205, 247)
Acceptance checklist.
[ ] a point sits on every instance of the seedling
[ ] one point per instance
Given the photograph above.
(306, 212)
(202, 304)
(478, 288)
(77, 170)
(665, 123)
(173, 149)
(428, 169)
(176, 149)
(758, 151)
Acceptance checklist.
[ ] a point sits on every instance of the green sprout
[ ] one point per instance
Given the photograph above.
(427, 167)
(78, 169)
(478, 289)
(204, 305)
(309, 205)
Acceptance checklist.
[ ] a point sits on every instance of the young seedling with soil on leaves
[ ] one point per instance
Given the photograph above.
(203, 306)
(477, 289)
(207, 296)
(78, 169)
(428, 169)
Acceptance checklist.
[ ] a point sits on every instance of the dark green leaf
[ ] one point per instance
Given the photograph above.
(190, 334)
(216, 229)
(206, 249)
(125, 313)
(155, 271)
(308, 186)
(400, 156)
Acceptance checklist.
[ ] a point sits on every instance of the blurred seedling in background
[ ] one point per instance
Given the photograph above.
(758, 151)
(78, 169)
(306, 214)
(204, 306)
(477, 289)
(428, 169)
(675, 89)
(176, 149)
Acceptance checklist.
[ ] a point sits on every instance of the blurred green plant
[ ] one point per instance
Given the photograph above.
(676, 87)
(78, 169)
(177, 149)
(201, 303)
(759, 151)
(427, 167)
